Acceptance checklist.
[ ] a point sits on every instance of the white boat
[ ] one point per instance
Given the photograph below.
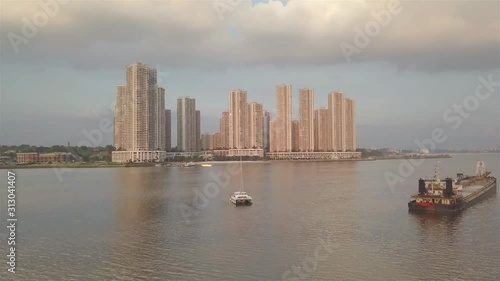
(241, 197)
(190, 164)
(206, 165)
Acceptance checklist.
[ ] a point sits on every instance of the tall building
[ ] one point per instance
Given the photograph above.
(238, 119)
(266, 130)
(139, 118)
(218, 141)
(295, 135)
(198, 131)
(321, 129)
(350, 125)
(342, 120)
(255, 125)
(187, 124)
(161, 136)
(224, 130)
(122, 132)
(273, 137)
(168, 129)
(306, 120)
(283, 124)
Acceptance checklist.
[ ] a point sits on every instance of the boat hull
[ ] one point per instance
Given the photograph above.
(485, 192)
(241, 202)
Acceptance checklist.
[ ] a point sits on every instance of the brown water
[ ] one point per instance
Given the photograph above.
(128, 224)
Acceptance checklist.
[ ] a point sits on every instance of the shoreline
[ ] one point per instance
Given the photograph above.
(440, 156)
(176, 164)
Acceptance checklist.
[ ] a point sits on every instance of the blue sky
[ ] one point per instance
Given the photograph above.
(63, 80)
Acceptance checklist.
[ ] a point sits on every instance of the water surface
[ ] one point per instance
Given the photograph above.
(127, 224)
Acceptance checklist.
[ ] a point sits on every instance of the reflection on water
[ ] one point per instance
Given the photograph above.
(124, 224)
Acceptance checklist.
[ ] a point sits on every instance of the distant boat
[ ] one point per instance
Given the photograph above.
(241, 197)
(190, 164)
(206, 165)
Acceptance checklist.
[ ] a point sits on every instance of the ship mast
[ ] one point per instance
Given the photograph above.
(242, 188)
(437, 180)
(481, 169)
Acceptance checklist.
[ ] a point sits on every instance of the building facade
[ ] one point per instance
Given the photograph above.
(238, 119)
(255, 125)
(207, 141)
(295, 135)
(342, 118)
(140, 111)
(321, 130)
(168, 129)
(266, 130)
(224, 130)
(350, 125)
(34, 157)
(283, 124)
(306, 120)
(198, 131)
(187, 125)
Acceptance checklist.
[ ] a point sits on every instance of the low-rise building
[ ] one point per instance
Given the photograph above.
(35, 157)
(29, 157)
(313, 155)
(138, 156)
(246, 152)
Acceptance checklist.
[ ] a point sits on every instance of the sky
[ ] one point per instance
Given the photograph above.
(408, 64)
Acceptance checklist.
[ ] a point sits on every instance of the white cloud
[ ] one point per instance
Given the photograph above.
(428, 35)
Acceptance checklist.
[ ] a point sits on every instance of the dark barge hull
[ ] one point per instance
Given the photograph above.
(488, 191)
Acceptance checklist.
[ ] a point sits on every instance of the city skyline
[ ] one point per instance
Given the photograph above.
(403, 82)
(248, 126)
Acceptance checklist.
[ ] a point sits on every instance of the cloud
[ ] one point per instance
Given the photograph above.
(427, 35)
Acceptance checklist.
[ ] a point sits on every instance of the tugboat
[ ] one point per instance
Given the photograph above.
(451, 195)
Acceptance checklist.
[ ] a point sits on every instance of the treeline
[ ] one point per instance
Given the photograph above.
(365, 153)
(81, 153)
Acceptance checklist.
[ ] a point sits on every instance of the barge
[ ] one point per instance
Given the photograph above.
(451, 195)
